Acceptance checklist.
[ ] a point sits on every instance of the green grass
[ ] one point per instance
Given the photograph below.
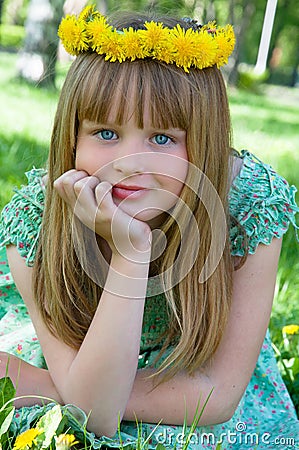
(268, 124)
(265, 123)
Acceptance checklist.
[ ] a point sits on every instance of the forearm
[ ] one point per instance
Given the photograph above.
(181, 398)
(33, 385)
(101, 375)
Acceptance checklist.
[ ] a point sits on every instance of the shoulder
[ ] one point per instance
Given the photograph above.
(261, 203)
(21, 218)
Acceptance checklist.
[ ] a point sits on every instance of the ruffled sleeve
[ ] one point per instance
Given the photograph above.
(21, 219)
(263, 204)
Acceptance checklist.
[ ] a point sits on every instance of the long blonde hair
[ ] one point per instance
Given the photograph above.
(196, 102)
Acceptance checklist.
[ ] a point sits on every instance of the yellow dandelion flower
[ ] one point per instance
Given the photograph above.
(65, 441)
(154, 35)
(211, 26)
(132, 45)
(96, 29)
(155, 41)
(112, 47)
(27, 439)
(73, 35)
(183, 46)
(230, 35)
(290, 329)
(88, 13)
(225, 39)
(163, 53)
(205, 51)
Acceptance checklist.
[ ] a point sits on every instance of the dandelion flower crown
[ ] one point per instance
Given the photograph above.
(198, 47)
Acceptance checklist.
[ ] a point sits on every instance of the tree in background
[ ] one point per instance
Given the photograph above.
(1, 9)
(284, 46)
(241, 24)
(282, 63)
(14, 10)
(37, 59)
(73, 6)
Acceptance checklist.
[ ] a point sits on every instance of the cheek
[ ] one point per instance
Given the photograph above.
(171, 189)
(90, 161)
(177, 187)
(174, 176)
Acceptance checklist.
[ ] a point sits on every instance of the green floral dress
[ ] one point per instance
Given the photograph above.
(264, 204)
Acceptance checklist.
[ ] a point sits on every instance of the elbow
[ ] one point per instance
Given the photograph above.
(222, 404)
(102, 421)
(228, 404)
(106, 427)
(99, 422)
(227, 414)
(219, 413)
(100, 425)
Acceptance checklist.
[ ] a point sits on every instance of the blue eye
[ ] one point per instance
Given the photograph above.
(161, 139)
(107, 135)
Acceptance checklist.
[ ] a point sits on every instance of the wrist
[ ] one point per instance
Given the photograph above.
(126, 278)
(133, 265)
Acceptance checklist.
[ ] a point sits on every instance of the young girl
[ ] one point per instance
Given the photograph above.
(146, 255)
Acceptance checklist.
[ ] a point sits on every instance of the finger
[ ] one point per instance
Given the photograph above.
(64, 185)
(68, 175)
(84, 190)
(103, 195)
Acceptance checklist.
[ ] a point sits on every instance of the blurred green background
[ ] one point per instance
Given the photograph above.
(264, 107)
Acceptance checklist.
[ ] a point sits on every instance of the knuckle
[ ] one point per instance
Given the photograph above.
(104, 186)
(94, 179)
(77, 186)
(67, 181)
(102, 190)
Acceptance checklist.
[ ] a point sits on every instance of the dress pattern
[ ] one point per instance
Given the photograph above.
(264, 204)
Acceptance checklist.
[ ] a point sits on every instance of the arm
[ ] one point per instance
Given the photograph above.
(102, 375)
(230, 370)
(99, 376)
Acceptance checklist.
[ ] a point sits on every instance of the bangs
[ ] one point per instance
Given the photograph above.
(114, 92)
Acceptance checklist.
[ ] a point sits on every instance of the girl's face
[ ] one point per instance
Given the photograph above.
(146, 167)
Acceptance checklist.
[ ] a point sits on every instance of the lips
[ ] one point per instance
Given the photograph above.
(123, 191)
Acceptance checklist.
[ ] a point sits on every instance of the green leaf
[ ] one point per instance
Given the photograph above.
(7, 391)
(6, 422)
(160, 447)
(49, 422)
(295, 367)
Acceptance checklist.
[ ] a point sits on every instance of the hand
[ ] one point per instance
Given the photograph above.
(91, 201)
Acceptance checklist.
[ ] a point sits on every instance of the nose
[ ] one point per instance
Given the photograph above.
(130, 159)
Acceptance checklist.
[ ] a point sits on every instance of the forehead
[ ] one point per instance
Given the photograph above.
(145, 92)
